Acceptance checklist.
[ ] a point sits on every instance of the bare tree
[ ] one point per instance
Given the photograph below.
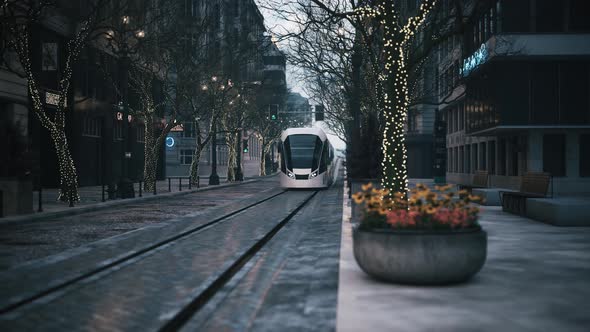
(18, 20)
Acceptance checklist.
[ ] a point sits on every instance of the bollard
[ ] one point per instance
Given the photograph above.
(179, 184)
(103, 192)
(140, 189)
(40, 208)
(169, 184)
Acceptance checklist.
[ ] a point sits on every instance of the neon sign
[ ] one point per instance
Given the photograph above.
(479, 57)
(169, 142)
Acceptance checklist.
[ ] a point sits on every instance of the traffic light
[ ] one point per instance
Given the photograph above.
(273, 112)
(245, 145)
(319, 112)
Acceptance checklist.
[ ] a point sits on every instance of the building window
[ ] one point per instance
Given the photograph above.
(545, 108)
(578, 18)
(516, 16)
(584, 155)
(118, 130)
(456, 159)
(462, 159)
(467, 158)
(49, 57)
(483, 165)
(554, 154)
(186, 156)
(574, 104)
(188, 129)
(492, 159)
(549, 16)
(140, 134)
(92, 127)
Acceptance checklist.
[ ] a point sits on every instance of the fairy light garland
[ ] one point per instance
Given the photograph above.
(56, 128)
(395, 112)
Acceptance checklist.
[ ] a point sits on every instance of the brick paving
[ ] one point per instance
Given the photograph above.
(25, 241)
(149, 290)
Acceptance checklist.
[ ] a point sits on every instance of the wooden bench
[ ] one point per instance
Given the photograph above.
(480, 180)
(532, 185)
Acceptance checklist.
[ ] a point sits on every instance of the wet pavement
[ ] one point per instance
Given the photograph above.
(121, 283)
(149, 290)
(25, 241)
(536, 278)
(292, 284)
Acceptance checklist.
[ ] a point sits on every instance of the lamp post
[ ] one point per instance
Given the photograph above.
(125, 185)
(214, 178)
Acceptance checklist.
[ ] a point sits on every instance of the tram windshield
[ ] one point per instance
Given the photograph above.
(303, 151)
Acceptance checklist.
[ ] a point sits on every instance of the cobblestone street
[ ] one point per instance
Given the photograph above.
(24, 241)
(147, 278)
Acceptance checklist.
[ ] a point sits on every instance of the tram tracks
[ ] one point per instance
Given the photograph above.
(182, 315)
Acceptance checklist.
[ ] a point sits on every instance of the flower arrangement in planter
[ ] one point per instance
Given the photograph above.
(425, 209)
(430, 237)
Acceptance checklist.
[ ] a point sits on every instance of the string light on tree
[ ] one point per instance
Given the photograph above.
(395, 77)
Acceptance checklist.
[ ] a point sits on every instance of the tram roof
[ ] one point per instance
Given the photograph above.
(302, 131)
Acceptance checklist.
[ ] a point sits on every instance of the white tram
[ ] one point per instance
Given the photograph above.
(307, 158)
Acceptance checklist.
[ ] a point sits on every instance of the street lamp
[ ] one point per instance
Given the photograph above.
(214, 177)
(126, 33)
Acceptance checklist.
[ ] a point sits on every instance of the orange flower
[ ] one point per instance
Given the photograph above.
(366, 187)
(358, 198)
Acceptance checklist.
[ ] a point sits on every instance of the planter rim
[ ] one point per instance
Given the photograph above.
(418, 231)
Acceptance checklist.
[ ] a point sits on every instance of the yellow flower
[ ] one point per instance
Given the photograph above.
(367, 186)
(474, 198)
(358, 198)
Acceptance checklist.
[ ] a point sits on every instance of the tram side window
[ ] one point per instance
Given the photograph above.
(282, 154)
(325, 158)
(317, 154)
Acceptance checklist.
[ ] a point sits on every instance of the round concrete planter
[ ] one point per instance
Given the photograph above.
(420, 257)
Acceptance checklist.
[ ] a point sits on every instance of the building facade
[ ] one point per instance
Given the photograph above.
(236, 49)
(519, 78)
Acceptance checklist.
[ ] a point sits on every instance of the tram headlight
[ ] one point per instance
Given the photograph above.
(314, 174)
(291, 175)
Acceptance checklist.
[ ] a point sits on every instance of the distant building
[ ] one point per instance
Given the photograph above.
(236, 49)
(298, 110)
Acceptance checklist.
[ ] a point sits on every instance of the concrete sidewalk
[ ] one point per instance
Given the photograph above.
(536, 278)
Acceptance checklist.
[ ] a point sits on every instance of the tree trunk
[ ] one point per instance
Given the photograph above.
(263, 161)
(394, 172)
(230, 140)
(67, 169)
(150, 158)
(194, 170)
